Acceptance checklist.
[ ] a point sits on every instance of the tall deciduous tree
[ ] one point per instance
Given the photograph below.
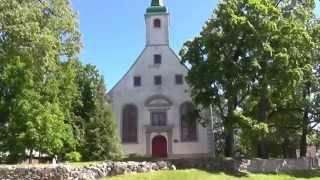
(36, 38)
(248, 61)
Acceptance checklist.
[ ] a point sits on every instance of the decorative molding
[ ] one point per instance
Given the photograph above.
(158, 101)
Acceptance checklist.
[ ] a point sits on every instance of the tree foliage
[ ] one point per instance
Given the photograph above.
(99, 136)
(39, 87)
(251, 59)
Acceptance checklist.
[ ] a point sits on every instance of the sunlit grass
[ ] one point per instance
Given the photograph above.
(193, 174)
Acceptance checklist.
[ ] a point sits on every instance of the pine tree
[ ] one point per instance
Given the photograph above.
(99, 140)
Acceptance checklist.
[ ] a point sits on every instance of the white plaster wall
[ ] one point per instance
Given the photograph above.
(125, 93)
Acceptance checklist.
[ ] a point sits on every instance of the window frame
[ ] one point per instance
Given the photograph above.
(157, 59)
(137, 81)
(157, 23)
(157, 80)
(127, 127)
(161, 122)
(177, 82)
(182, 126)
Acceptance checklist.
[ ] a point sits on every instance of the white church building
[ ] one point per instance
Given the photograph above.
(151, 102)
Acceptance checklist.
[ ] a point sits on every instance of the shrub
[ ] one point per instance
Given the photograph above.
(73, 157)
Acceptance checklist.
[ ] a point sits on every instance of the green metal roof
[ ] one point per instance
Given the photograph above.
(156, 7)
(155, 3)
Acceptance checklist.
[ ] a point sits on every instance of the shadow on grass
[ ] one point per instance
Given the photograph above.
(301, 174)
(229, 173)
(295, 174)
(217, 172)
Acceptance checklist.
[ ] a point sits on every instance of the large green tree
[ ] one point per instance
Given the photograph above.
(49, 102)
(38, 40)
(247, 63)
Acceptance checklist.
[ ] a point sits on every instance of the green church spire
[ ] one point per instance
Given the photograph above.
(155, 3)
(157, 7)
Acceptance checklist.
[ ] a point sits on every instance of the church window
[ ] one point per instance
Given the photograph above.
(157, 59)
(157, 23)
(157, 80)
(179, 79)
(158, 118)
(188, 123)
(130, 124)
(137, 81)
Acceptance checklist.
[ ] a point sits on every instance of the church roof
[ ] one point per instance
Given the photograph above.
(157, 7)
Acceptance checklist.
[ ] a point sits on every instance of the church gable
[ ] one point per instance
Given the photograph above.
(145, 68)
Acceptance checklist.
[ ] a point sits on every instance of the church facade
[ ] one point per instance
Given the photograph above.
(151, 102)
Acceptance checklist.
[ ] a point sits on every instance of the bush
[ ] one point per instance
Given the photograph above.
(73, 157)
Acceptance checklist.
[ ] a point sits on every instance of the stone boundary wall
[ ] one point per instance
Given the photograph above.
(279, 165)
(207, 164)
(96, 171)
(252, 165)
(91, 172)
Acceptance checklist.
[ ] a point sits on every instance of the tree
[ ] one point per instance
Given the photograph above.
(215, 56)
(305, 95)
(99, 136)
(37, 41)
(247, 61)
(309, 90)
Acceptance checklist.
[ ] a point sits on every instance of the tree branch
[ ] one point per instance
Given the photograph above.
(277, 4)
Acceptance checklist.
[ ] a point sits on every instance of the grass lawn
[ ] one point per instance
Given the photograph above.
(203, 175)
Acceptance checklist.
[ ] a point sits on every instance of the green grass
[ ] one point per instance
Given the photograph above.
(193, 174)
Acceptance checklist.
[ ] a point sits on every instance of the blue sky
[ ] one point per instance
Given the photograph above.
(113, 31)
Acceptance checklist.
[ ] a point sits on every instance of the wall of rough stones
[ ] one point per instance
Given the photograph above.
(96, 171)
(67, 172)
(253, 165)
(279, 165)
(207, 164)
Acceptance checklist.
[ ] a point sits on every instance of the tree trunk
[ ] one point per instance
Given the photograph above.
(303, 141)
(228, 127)
(228, 149)
(213, 132)
(263, 151)
(305, 124)
(285, 149)
(30, 156)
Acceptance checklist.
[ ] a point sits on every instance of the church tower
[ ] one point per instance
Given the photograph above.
(157, 24)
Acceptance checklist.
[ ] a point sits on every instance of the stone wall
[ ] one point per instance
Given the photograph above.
(254, 165)
(67, 172)
(279, 165)
(207, 164)
(96, 171)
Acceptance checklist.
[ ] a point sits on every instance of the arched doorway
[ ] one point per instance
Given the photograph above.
(159, 147)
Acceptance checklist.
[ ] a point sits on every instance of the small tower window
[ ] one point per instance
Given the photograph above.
(179, 79)
(137, 81)
(157, 80)
(157, 59)
(157, 23)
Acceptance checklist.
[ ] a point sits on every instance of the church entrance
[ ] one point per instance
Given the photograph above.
(159, 147)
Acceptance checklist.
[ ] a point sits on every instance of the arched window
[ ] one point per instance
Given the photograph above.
(130, 124)
(157, 23)
(188, 122)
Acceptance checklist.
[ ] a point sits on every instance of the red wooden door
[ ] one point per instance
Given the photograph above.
(159, 147)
